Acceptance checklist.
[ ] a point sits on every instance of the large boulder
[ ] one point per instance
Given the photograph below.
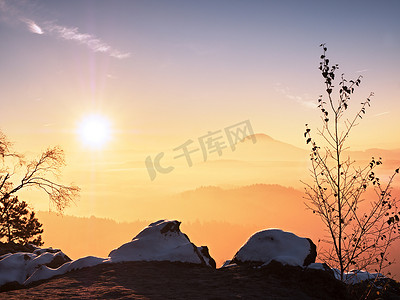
(18, 267)
(10, 248)
(162, 241)
(276, 245)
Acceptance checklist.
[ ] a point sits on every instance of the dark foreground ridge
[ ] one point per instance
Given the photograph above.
(172, 280)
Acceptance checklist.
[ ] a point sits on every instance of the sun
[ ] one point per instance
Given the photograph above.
(94, 131)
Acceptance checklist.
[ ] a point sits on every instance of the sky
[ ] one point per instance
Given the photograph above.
(160, 73)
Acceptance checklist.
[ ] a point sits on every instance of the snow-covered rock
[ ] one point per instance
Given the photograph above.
(319, 266)
(228, 263)
(275, 244)
(356, 276)
(44, 272)
(162, 241)
(18, 267)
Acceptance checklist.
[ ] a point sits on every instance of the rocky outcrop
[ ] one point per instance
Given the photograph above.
(58, 259)
(162, 241)
(312, 254)
(16, 268)
(176, 280)
(276, 245)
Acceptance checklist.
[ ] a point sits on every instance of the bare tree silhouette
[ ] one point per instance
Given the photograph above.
(360, 230)
(42, 173)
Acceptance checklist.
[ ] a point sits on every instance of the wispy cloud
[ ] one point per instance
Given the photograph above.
(9, 13)
(304, 100)
(91, 41)
(382, 114)
(362, 71)
(32, 26)
(12, 12)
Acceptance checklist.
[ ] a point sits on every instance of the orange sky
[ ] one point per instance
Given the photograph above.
(167, 73)
(163, 73)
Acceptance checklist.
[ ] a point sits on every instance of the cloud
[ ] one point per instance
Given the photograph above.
(8, 13)
(14, 12)
(32, 26)
(304, 100)
(91, 41)
(362, 71)
(382, 114)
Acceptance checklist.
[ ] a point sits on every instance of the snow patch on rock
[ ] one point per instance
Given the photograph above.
(162, 241)
(357, 276)
(44, 272)
(18, 267)
(318, 266)
(275, 244)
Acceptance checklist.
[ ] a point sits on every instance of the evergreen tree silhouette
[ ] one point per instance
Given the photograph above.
(18, 223)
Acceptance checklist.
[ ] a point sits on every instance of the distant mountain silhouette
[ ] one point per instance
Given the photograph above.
(390, 158)
(377, 152)
(267, 149)
(276, 156)
(278, 149)
(262, 137)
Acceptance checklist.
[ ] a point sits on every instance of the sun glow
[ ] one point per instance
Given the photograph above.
(94, 131)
